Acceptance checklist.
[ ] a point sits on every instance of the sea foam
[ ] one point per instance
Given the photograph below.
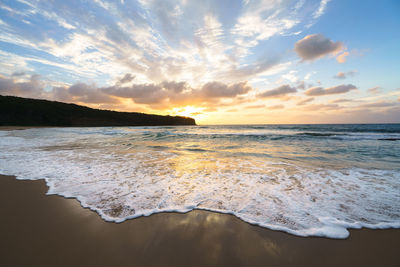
(124, 173)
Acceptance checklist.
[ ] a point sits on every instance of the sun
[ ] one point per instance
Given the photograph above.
(188, 111)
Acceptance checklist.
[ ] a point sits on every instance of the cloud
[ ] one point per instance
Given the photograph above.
(218, 89)
(381, 104)
(290, 77)
(153, 40)
(342, 57)
(126, 79)
(280, 91)
(375, 90)
(262, 67)
(315, 46)
(305, 101)
(322, 107)
(260, 20)
(29, 88)
(139, 93)
(340, 75)
(254, 106)
(84, 93)
(352, 115)
(341, 100)
(344, 75)
(339, 89)
(162, 95)
(308, 75)
(301, 85)
(276, 107)
(375, 115)
(18, 74)
(320, 11)
(176, 87)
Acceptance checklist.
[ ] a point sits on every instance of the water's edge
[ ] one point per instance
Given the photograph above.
(343, 234)
(303, 180)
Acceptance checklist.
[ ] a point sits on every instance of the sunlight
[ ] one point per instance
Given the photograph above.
(188, 111)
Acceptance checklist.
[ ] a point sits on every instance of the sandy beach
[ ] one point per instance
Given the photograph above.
(40, 230)
(199, 133)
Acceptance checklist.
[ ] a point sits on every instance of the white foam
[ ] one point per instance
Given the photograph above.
(118, 174)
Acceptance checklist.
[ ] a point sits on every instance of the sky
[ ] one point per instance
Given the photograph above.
(220, 62)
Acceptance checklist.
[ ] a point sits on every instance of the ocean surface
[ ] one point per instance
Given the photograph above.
(307, 180)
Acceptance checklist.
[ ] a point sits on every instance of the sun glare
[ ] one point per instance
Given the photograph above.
(188, 111)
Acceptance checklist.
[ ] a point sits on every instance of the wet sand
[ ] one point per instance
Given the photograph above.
(40, 230)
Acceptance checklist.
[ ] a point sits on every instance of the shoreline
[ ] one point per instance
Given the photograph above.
(46, 230)
(380, 226)
(14, 128)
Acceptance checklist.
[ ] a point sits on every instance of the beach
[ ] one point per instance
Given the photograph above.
(199, 133)
(49, 230)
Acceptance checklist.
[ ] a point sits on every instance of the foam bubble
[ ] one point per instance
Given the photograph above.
(121, 173)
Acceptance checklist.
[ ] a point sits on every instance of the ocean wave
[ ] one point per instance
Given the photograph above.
(279, 185)
(318, 134)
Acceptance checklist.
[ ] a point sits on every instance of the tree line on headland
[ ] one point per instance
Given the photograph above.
(18, 111)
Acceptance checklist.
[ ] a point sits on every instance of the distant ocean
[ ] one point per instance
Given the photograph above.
(307, 180)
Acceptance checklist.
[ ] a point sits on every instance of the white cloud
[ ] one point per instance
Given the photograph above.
(321, 9)
(260, 21)
(155, 41)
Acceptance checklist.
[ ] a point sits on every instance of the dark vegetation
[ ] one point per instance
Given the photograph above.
(18, 111)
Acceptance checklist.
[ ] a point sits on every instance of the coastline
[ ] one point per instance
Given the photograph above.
(38, 229)
(14, 128)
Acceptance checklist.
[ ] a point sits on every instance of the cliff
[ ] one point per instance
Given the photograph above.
(18, 111)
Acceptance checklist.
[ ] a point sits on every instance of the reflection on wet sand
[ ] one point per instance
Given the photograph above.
(40, 230)
(214, 231)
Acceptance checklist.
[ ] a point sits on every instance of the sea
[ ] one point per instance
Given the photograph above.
(306, 180)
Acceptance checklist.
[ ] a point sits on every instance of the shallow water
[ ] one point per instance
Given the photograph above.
(307, 180)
